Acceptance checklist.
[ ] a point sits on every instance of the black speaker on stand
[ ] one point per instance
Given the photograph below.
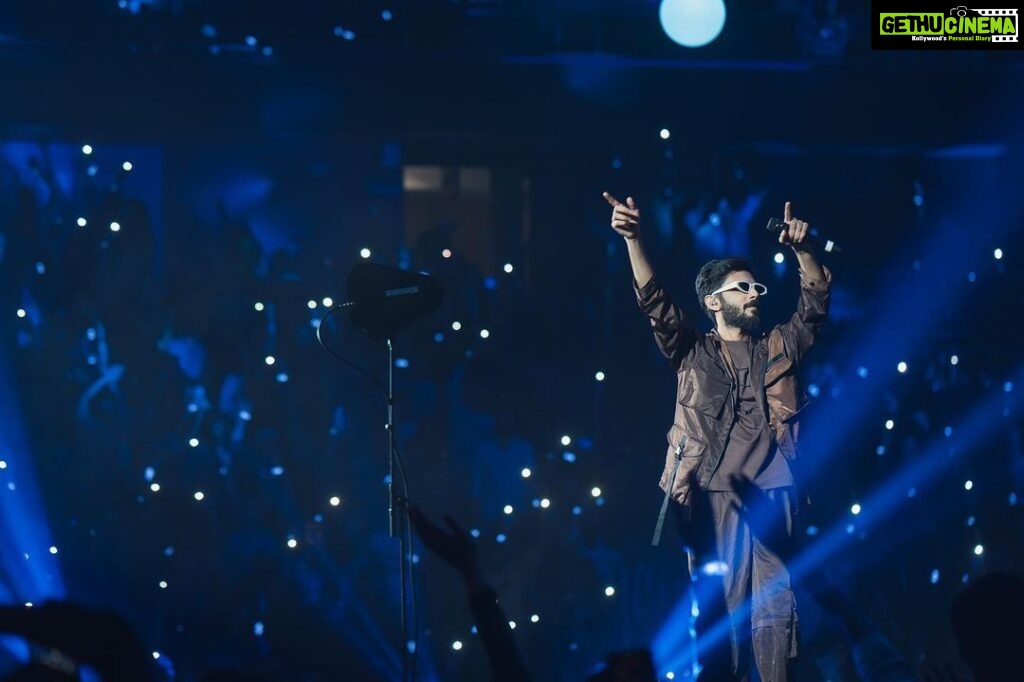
(382, 301)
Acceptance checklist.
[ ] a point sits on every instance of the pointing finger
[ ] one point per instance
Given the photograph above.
(630, 203)
(788, 212)
(611, 200)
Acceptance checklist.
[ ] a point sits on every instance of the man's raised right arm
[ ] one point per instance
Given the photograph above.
(674, 335)
(626, 222)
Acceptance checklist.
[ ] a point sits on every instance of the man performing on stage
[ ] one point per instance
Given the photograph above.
(736, 423)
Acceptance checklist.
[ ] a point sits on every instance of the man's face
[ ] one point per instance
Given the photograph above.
(740, 309)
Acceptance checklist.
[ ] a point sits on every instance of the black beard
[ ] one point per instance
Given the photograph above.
(735, 316)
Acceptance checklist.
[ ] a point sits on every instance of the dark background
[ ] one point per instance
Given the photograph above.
(261, 168)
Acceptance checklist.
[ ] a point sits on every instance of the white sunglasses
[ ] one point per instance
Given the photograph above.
(743, 287)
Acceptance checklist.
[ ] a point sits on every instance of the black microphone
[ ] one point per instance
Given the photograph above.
(776, 226)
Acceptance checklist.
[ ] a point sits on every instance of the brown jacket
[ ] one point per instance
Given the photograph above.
(706, 393)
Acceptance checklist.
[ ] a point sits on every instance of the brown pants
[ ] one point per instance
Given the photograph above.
(745, 548)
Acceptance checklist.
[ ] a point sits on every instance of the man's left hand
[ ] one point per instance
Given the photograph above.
(796, 230)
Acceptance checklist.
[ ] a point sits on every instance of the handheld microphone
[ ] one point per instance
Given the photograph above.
(776, 226)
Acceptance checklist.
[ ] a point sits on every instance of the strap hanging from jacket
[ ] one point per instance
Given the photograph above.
(668, 494)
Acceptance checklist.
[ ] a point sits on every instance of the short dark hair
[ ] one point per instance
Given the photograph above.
(711, 276)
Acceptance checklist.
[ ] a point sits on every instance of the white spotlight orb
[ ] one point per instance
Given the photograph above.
(692, 23)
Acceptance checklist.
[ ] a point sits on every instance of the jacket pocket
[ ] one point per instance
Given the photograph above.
(681, 462)
(785, 398)
(687, 445)
(776, 369)
(709, 402)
